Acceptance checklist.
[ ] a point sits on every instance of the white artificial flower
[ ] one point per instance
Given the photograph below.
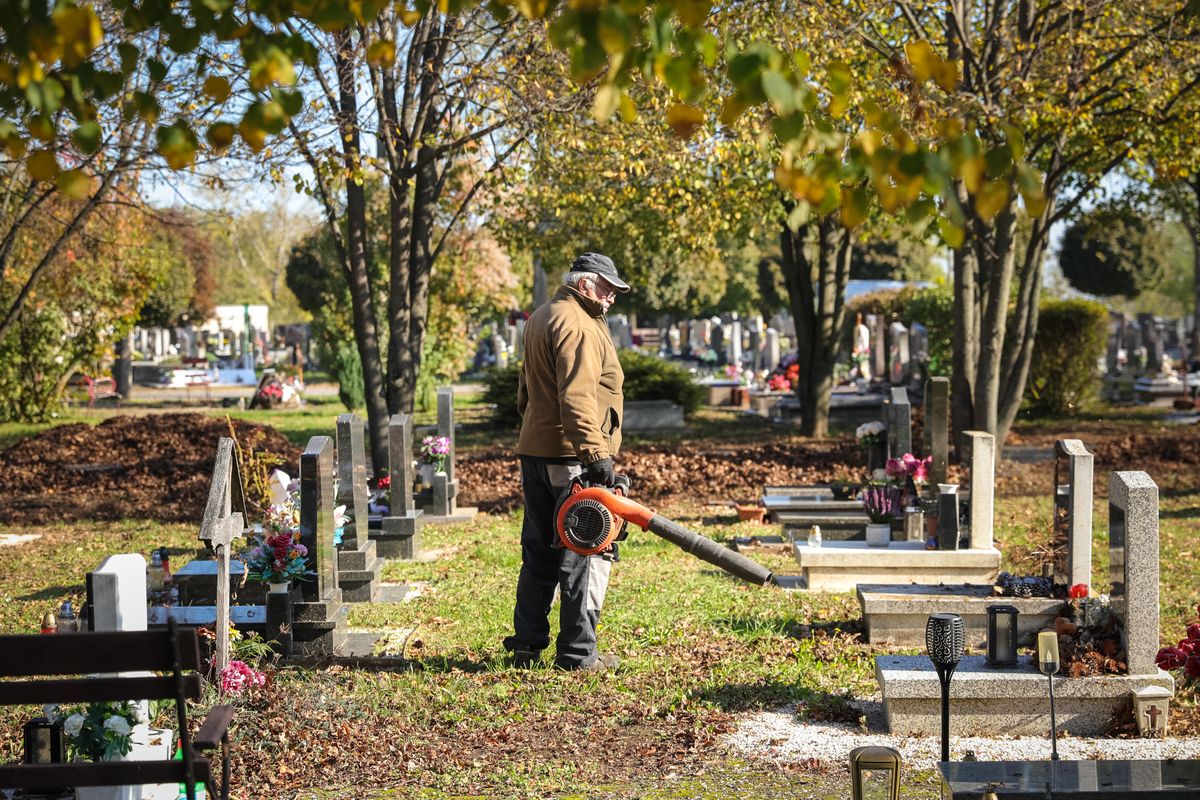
(279, 482)
(118, 725)
(74, 724)
(51, 712)
(339, 516)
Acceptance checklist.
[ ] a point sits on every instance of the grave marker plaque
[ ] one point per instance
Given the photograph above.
(982, 448)
(352, 476)
(224, 520)
(899, 423)
(316, 519)
(1073, 466)
(1133, 559)
(399, 532)
(937, 427)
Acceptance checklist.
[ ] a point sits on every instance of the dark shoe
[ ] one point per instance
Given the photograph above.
(604, 661)
(524, 659)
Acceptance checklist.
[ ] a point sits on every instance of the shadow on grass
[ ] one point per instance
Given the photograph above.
(791, 628)
(53, 592)
(811, 704)
(1180, 513)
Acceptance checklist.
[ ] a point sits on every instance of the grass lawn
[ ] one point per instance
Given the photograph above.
(454, 719)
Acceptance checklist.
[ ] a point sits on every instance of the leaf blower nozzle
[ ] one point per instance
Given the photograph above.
(589, 520)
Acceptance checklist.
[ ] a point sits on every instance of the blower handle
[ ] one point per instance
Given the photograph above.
(707, 550)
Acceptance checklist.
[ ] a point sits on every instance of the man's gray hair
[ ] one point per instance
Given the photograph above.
(573, 279)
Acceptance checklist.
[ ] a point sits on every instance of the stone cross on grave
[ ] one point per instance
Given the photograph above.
(352, 477)
(224, 520)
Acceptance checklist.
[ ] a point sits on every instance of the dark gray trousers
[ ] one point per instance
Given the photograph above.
(580, 580)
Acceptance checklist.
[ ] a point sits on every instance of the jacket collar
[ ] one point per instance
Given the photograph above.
(589, 305)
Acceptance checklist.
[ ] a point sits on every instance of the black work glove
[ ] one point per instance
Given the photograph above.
(600, 473)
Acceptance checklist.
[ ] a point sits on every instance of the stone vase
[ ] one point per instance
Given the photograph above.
(879, 534)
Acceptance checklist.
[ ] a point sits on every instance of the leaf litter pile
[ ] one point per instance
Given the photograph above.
(154, 467)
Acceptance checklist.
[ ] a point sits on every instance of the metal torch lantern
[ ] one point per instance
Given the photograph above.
(1002, 636)
(945, 640)
(44, 742)
(875, 773)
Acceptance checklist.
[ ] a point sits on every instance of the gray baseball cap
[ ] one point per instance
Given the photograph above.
(603, 266)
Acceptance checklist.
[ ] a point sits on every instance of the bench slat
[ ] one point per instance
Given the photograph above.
(75, 653)
(213, 728)
(88, 690)
(109, 773)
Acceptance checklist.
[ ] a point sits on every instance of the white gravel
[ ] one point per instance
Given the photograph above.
(781, 736)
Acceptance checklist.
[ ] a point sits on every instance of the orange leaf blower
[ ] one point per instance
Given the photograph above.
(590, 519)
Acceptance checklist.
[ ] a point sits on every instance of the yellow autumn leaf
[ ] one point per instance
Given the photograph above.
(946, 74)
(856, 205)
(731, 109)
(252, 135)
(410, 16)
(533, 9)
(42, 165)
(80, 30)
(629, 111)
(973, 170)
(217, 88)
(990, 199)
(684, 119)
(925, 62)
(220, 135)
(952, 234)
(1035, 202)
(381, 53)
(73, 183)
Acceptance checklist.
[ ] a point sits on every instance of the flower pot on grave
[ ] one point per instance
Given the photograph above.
(278, 587)
(750, 513)
(879, 534)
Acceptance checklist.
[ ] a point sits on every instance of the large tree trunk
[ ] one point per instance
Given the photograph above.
(965, 354)
(354, 261)
(819, 312)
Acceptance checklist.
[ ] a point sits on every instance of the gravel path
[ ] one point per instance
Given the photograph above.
(780, 736)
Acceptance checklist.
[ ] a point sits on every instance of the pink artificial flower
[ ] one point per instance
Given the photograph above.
(910, 462)
(239, 676)
(1170, 658)
(920, 472)
(895, 469)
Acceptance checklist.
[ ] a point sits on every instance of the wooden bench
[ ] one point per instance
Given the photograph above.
(174, 651)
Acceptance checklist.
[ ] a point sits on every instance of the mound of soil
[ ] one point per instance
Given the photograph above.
(696, 470)
(155, 467)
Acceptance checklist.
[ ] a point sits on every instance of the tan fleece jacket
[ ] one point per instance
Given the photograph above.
(569, 394)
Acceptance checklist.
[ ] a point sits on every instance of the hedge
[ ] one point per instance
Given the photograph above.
(1071, 337)
(647, 377)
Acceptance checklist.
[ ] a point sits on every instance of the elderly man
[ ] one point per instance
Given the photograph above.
(571, 404)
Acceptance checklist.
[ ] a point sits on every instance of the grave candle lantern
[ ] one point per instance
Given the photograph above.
(875, 773)
(44, 742)
(1002, 636)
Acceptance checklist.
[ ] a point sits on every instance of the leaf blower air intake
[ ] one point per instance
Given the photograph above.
(590, 519)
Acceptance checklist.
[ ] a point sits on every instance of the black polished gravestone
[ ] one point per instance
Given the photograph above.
(318, 626)
(1077, 780)
(357, 560)
(399, 532)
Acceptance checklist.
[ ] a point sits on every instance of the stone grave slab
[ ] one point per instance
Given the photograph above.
(197, 584)
(1133, 565)
(399, 532)
(358, 562)
(839, 566)
(898, 419)
(896, 614)
(1093, 780)
(1073, 466)
(443, 507)
(318, 613)
(835, 525)
(982, 482)
(986, 700)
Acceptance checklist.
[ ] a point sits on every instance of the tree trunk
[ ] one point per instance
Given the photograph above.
(354, 262)
(994, 252)
(1193, 228)
(965, 354)
(819, 313)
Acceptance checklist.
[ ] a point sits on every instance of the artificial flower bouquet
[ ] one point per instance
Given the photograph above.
(779, 383)
(870, 434)
(97, 731)
(434, 450)
(1184, 657)
(880, 503)
(277, 555)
